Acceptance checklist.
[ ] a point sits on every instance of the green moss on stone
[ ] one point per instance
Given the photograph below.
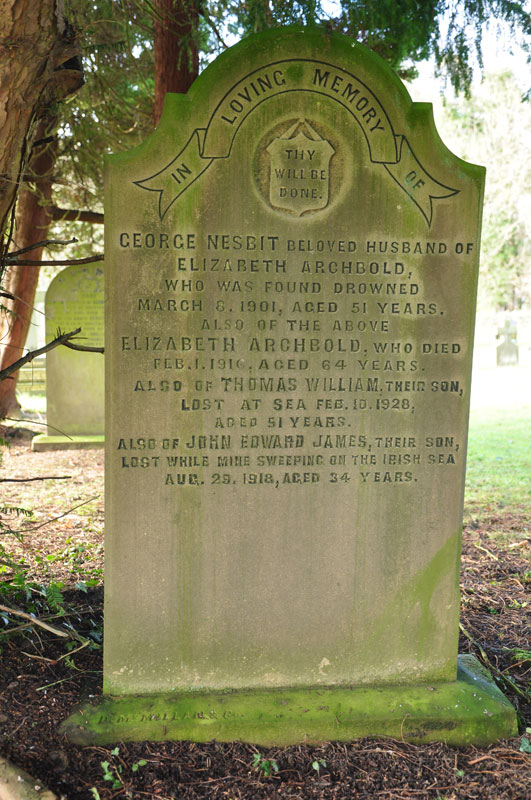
(471, 710)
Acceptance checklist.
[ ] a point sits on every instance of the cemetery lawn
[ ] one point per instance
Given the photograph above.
(42, 675)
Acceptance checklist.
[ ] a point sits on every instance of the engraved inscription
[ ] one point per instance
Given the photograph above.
(298, 75)
(299, 169)
(290, 360)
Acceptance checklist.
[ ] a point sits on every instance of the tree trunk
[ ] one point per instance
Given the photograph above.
(175, 49)
(38, 67)
(32, 221)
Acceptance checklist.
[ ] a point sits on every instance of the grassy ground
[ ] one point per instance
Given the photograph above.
(499, 460)
(499, 447)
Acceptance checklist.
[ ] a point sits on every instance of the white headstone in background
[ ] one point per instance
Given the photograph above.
(74, 380)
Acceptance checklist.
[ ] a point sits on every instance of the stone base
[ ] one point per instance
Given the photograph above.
(470, 711)
(74, 442)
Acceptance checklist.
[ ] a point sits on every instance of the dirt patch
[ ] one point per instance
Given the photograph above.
(66, 487)
(40, 680)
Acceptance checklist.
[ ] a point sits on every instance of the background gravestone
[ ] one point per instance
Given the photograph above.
(74, 380)
(290, 303)
(507, 351)
(32, 376)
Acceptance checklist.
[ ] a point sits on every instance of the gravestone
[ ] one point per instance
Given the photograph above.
(32, 376)
(74, 380)
(36, 333)
(507, 351)
(291, 269)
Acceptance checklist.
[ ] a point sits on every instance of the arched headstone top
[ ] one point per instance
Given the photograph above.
(399, 136)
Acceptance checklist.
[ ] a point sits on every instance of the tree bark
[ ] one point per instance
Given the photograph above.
(38, 66)
(32, 222)
(175, 49)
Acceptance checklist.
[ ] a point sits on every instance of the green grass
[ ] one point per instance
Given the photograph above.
(32, 403)
(499, 459)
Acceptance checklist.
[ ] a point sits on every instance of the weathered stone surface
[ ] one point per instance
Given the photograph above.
(469, 710)
(288, 355)
(16, 784)
(291, 267)
(74, 380)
